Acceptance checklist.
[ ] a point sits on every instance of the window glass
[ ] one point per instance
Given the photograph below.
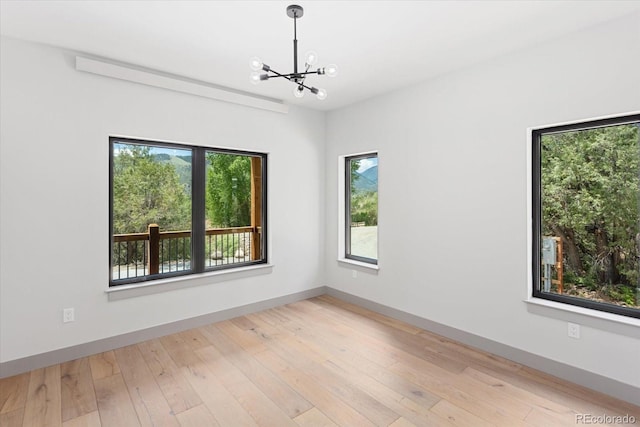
(233, 209)
(362, 208)
(151, 197)
(588, 234)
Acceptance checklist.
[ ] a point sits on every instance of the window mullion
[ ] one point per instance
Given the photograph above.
(198, 210)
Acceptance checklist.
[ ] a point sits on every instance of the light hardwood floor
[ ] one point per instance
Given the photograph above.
(319, 362)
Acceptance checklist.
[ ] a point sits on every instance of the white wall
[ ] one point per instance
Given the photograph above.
(54, 210)
(452, 167)
(453, 190)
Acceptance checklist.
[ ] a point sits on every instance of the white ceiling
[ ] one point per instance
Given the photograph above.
(378, 46)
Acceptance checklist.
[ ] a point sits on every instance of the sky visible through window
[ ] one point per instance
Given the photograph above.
(367, 163)
(154, 150)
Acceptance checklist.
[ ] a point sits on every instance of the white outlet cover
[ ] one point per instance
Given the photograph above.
(573, 330)
(68, 315)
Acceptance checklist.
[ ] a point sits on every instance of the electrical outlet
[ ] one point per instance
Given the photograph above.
(573, 330)
(354, 273)
(68, 315)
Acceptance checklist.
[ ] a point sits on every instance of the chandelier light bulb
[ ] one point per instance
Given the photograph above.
(331, 70)
(298, 92)
(321, 94)
(311, 58)
(255, 77)
(255, 63)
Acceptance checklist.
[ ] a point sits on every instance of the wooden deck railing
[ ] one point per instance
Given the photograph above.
(156, 251)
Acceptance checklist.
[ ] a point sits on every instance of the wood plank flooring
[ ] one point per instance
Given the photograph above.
(318, 362)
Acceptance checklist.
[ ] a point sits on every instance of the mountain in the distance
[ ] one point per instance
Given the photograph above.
(181, 164)
(367, 180)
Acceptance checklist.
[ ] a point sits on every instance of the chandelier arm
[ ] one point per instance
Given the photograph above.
(292, 80)
(277, 74)
(308, 72)
(292, 75)
(310, 89)
(286, 76)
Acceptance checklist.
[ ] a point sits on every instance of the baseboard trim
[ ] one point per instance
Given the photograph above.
(26, 364)
(593, 381)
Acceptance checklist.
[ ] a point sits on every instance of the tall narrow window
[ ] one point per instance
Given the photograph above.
(178, 209)
(587, 214)
(361, 208)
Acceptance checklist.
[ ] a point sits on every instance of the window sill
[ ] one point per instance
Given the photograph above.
(596, 319)
(359, 264)
(164, 285)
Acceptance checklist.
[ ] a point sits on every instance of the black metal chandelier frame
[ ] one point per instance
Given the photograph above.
(297, 77)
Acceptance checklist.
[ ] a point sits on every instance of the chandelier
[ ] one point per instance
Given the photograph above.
(297, 77)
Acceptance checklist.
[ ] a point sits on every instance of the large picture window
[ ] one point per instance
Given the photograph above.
(178, 209)
(586, 217)
(361, 208)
